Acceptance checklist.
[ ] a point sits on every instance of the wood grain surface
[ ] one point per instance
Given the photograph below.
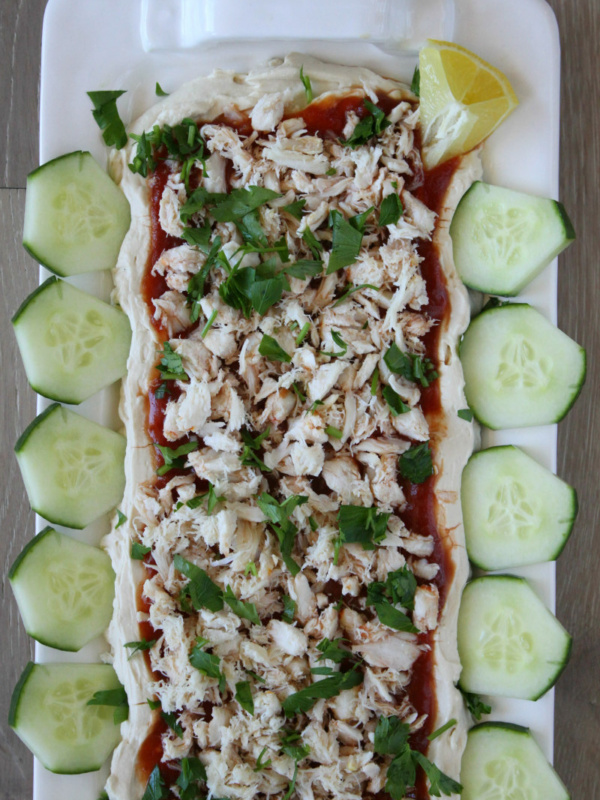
(578, 692)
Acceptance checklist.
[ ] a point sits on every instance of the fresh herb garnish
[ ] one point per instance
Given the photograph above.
(207, 663)
(333, 650)
(307, 85)
(415, 85)
(391, 210)
(159, 91)
(173, 722)
(112, 697)
(243, 694)
(121, 518)
(398, 589)
(368, 526)
(345, 244)
(336, 433)
(196, 284)
(289, 609)
(242, 608)
(260, 764)
(155, 788)
(140, 647)
(271, 349)
(359, 222)
(331, 171)
(351, 289)
(138, 551)
(192, 771)
(153, 704)
(416, 464)
(313, 523)
(211, 498)
(303, 700)
(107, 116)
(201, 590)
(475, 705)
(302, 335)
(311, 241)
(466, 414)
(375, 382)
(395, 403)
(162, 390)
(412, 367)
(277, 515)
(295, 208)
(171, 365)
(250, 568)
(304, 269)
(240, 202)
(441, 729)
(182, 142)
(315, 405)
(255, 676)
(249, 456)
(373, 124)
(209, 323)
(391, 738)
(295, 751)
(174, 458)
(340, 343)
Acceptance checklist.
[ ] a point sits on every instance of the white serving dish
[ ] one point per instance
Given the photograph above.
(111, 44)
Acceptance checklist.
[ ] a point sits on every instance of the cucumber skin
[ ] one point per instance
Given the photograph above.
(562, 545)
(16, 695)
(32, 426)
(41, 288)
(29, 546)
(491, 308)
(565, 656)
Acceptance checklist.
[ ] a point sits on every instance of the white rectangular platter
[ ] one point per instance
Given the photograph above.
(111, 44)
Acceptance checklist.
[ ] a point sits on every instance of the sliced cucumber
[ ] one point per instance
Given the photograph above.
(72, 344)
(49, 713)
(509, 643)
(515, 511)
(64, 590)
(72, 467)
(503, 239)
(520, 370)
(504, 762)
(75, 216)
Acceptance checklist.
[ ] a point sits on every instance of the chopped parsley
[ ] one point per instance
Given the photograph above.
(210, 496)
(174, 458)
(181, 142)
(368, 526)
(209, 323)
(112, 697)
(311, 241)
(337, 339)
(140, 647)
(475, 705)
(466, 414)
(201, 590)
(250, 568)
(416, 464)
(307, 85)
(345, 244)
(159, 91)
(442, 729)
(155, 788)
(395, 403)
(278, 517)
(398, 589)
(373, 124)
(303, 700)
(138, 551)
(412, 367)
(192, 771)
(171, 365)
(289, 609)
(242, 608)
(336, 433)
(415, 85)
(207, 663)
(331, 171)
(295, 208)
(173, 722)
(260, 764)
(303, 334)
(121, 518)
(249, 457)
(243, 694)
(106, 114)
(333, 650)
(391, 210)
(375, 382)
(196, 284)
(351, 289)
(271, 349)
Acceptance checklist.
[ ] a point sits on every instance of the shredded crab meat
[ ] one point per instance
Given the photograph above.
(233, 388)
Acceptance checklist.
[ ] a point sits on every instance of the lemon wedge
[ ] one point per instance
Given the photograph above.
(463, 100)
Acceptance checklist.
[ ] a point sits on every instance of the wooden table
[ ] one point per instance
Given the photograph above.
(578, 692)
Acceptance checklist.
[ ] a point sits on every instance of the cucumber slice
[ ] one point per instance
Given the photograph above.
(72, 344)
(503, 239)
(520, 370)
(64, 590)
(49, 713)
(509, 643)
(504, 762)
(72, 467)
(515, 511)
(75, 216)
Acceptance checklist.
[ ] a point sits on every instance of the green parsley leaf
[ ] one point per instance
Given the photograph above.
(393, 618)
(138, 551)
(271, 349)
(360, 220)
(236, 290)
(331, 171)
(333, 650)
(295, 208)
(255, 676)
(207, 663)
(365, 525)
(171, 365)
(201, 590)
(303, 700)
(240, 202)
(415, 85)
(307, 85)
(440, 783)
(315, 405)
(277, 515)
(103, 796)
(154, 704)
(298, 392)
(391, 210)
(107, 116)
(192, 771)
(302, 336)
(304, 269)
(159, 91)
(242, 608)
(243, 694)
(401, 586)
(375, 382)
(412, 367)
(173, 723)
(395, 403)
(295, 751)
(311, 241)
(442, 729)
(112, 697)
(345, 244)
(249, 456)
(313, 523)
(401, 774)
(351, 289)
(251, 568)
(174, 458)
(416, 464)
(260, 764)
(155, 788)
(139, 647)
(196, 284)
(475, 705)
(466, 414)
(197, 201)
(340, 343)
(210, 496)
(209, 323)
(391, 735)
(373, 124)
(289, 609)
(182, 142)
(336, 433)
(121, 519)
(162, 390)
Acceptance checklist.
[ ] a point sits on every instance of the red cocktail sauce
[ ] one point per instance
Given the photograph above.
(328, 118)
